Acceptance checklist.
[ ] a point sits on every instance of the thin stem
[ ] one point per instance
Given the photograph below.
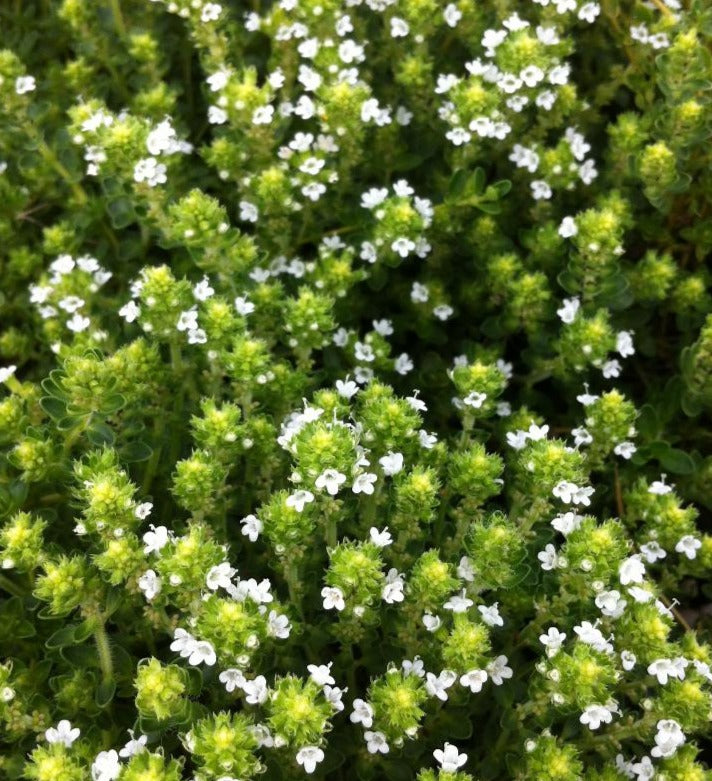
(49, 157)
(118, 17)
(11, 587)
(103, 647)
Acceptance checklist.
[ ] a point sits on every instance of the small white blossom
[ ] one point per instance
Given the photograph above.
(309, 757)
(688, 545)
(376, 742)
(474, 680)
(333, 598)
(63, 733)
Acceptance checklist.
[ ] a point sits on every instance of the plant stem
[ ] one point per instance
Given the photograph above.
(118, 17)
(12, 588)
(103, 648)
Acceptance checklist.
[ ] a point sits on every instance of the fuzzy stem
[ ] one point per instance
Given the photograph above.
(103, 648)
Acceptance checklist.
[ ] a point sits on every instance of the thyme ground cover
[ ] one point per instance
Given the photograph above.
(356, 363)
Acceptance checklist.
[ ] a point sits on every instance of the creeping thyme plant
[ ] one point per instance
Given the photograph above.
(356, 390)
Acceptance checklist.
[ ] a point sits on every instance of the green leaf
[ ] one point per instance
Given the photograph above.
(105, 693)
(677, 461)
(100, 434)
(478, 181)
(457, 184)
(134, 452)
(502, 187)
(121, 212)
(62, 637)
(112, 404)
(54, 407)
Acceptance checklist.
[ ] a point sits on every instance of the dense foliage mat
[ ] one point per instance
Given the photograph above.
(356, 383)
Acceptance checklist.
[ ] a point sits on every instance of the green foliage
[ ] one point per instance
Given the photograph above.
(355, 390)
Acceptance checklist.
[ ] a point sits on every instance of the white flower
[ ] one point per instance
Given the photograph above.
(643, 770)
(248, 211)
(155, 539)
(150, 171)
(668, 739)
(610, 603)
(218, 80)
(564, 490)
(393, 589)
(567, 523)
(589, 11)
(331, 480)
(334, 696)
(490, 615)
(321, 673)
(78, 323)
(399, 27)
(591, 635)
(391, 463)
(183, 642)
(134, 745)
(130, 311)
(581, 436)
(232, 679)
(631, 570)
(437, 685)
(449, 758)
(6, 372)
(540, 190)
(333, 598)
(24, 84)
(63, 733)
(664, 669)
(430, 622)
(474, 680)
(660, 487)
(298, 499)
(278, 625)
(611, 369)
(381, 539)
(106, 766)
(628, 660)
(452, 15)
(652, 551)
(403, 364)
(256, 690)
(552, 640)
(688, 545)
(363, 484)
(595, 715)
(474, 399)
(244, 306)
(263, 115)
(569, 308)
(376, 742)
(403, 246)
(517, 439)
(625, 450)
(309, 757)
(499, 670)
(459, 603)
(150, 584)
(211, 12)
(251, 527)
(346, 388)
(549, 558)
(362, 713)
(624, 343)
(202, 653)
(220, 576)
